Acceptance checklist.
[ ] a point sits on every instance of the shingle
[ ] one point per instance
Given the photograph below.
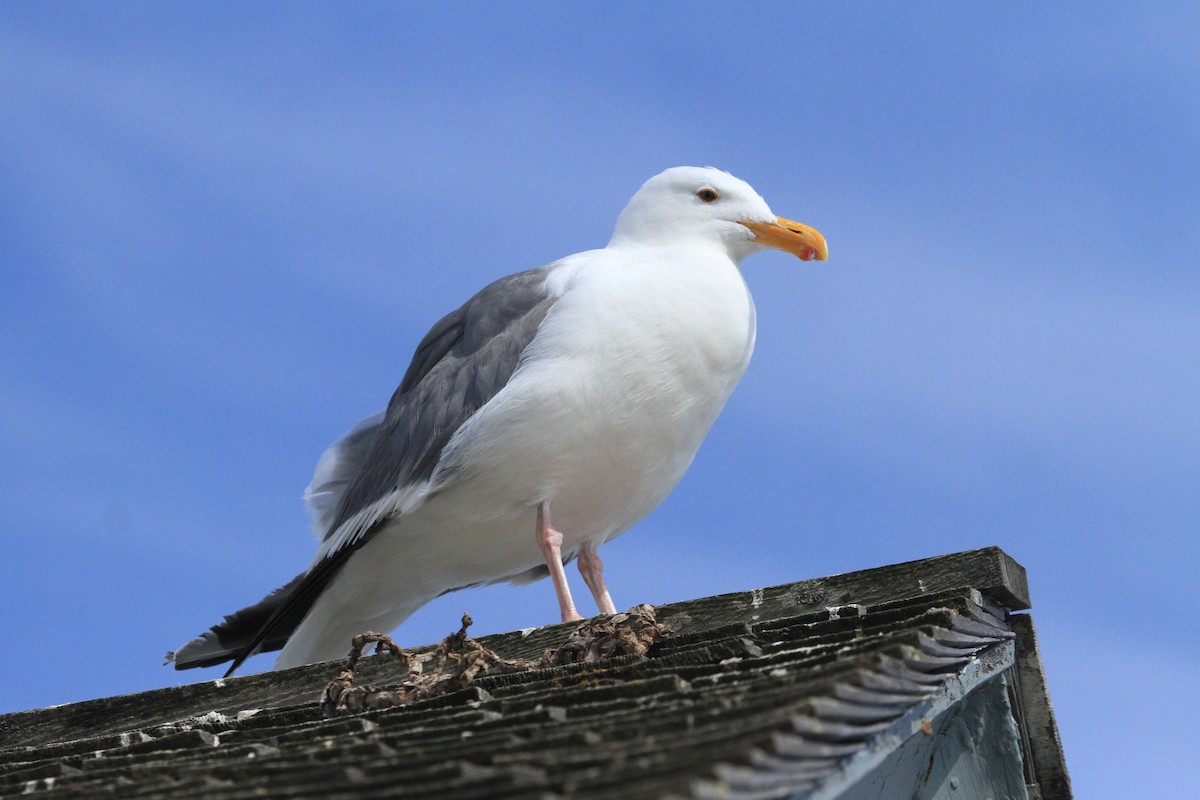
(757, 694)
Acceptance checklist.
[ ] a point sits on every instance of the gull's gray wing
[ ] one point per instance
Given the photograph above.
(336, 468)
(461, 364)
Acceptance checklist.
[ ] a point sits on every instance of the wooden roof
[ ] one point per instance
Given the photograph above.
(804, 690)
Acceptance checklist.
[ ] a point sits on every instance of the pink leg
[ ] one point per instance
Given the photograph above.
(592, 570)
(550, 543)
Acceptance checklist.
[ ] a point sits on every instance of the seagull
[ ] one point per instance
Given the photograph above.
(547, 415)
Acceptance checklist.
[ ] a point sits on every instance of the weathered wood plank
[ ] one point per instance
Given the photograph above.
(990, 570)
(1049, 763)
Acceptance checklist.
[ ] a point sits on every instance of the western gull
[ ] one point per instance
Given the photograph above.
(544, 417)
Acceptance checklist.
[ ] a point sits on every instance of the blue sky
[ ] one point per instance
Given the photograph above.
(225, 228)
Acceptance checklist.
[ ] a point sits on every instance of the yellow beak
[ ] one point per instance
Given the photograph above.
(791, 237)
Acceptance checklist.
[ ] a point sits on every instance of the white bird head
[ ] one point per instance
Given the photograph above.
(703, 204)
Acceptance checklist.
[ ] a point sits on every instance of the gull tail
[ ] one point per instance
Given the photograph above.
(228, 640)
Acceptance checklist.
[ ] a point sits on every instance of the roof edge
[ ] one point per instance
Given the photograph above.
(994, 573)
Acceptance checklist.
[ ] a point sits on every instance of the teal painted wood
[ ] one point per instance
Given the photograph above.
(962, 743)
(972, 752)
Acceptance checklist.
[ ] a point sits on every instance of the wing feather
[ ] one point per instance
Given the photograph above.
(460, 365)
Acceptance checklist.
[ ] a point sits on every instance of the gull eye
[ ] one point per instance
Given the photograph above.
(707, 195)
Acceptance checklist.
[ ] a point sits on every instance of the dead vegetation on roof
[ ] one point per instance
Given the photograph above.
(459, 660)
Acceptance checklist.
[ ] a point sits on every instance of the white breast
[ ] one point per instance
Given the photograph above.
(627, 375)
